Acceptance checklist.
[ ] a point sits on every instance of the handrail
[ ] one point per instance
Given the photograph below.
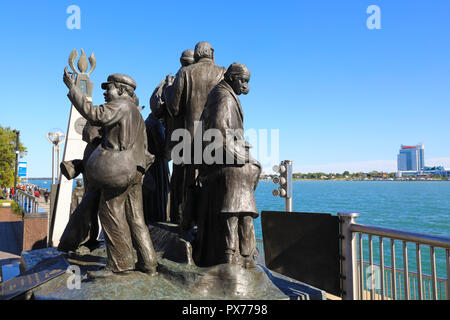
(424, 279)
(426, 239)
(352, 284)
(26, 201)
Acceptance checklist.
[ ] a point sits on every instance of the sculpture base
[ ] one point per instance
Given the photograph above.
(175, 280)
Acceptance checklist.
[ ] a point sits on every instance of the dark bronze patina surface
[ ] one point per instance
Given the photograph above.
(177, 279)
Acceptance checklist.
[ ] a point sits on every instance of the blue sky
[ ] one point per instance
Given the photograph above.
(342, 96)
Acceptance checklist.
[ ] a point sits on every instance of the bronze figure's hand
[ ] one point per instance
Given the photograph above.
(69, 79)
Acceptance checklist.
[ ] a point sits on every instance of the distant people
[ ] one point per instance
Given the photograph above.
(37, 194)
(186, 100)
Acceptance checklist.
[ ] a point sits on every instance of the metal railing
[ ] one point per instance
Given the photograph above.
(388, 284)
(26, 201)
(394, 283)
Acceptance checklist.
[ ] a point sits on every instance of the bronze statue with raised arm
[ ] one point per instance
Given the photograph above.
(117, 166)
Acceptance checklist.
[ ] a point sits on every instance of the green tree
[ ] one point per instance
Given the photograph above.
(8, 156)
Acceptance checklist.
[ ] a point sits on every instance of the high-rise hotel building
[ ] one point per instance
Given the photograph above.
(411, 158)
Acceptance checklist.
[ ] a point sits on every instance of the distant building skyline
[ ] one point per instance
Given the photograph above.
(411, 158)
(411, 161)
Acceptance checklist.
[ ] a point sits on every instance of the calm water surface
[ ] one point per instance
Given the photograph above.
(420, 206)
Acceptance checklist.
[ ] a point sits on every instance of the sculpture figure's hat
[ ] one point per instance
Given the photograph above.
(119, 78)
(187, 56)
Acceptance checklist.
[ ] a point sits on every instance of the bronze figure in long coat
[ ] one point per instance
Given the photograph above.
(82, 228)
(226, 230)
(186, 100)
(158, 106)
(156, 180)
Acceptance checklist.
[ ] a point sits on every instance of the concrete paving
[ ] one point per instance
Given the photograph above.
(44, 206)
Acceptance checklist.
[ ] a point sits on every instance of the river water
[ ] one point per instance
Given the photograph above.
(419, 206)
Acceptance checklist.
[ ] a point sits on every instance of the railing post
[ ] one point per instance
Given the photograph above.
(447, 258)
(349, 265)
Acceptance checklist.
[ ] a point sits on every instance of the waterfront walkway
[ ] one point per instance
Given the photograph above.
(44, 206)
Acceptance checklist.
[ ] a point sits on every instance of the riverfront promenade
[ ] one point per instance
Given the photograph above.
(44, 206)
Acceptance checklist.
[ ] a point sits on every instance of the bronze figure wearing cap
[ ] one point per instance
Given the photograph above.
(119, 78)
(117, 166)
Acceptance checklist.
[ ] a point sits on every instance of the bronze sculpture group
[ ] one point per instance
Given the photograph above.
(126, 167)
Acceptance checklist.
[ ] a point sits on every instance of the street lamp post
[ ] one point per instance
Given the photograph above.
(17, 132)
(55, 137)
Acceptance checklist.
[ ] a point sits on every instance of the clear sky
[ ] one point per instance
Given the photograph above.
(342, 96)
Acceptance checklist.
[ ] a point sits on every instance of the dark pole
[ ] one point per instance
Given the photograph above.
(17, 159)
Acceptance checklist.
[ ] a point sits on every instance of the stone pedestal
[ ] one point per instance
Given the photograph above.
(35, 231)
(178, 278)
